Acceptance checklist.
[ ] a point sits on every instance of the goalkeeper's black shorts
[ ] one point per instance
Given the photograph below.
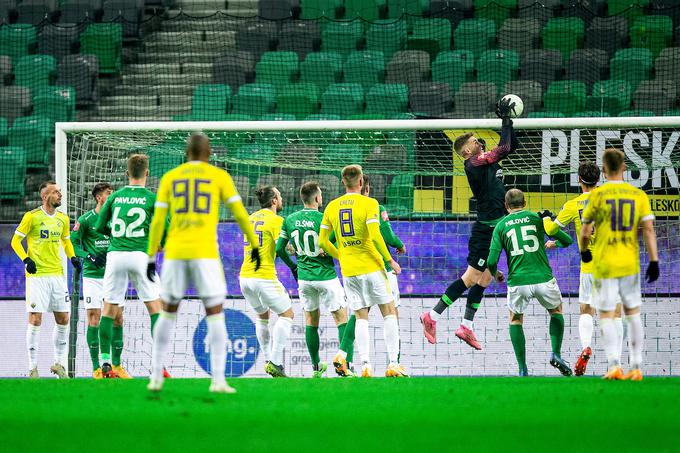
(478, 245)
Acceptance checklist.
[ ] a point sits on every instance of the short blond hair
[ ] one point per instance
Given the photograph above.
(613, 160)
(352, 175)
(137, 165)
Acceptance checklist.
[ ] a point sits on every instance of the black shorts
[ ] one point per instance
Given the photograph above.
(478, 245)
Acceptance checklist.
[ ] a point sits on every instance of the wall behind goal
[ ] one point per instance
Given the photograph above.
(188, 357)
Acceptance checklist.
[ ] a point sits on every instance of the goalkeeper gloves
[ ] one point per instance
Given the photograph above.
(97, 260)
(255, 258)
(30, 266)
(545, 213)
(652, 271)
(503, 109)
(77, 265)
(151, 269)
(586, 256)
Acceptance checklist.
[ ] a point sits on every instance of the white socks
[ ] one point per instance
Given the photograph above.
(434, 315)
(363, 340)
(610, 339)
(280, 338)
(585, 330)
(618, 323)
(262, 333)
(32, 341)
(217, 339)
(467, 323)
(391, 332)
(636, 339)
(60, 338)
(161, 340)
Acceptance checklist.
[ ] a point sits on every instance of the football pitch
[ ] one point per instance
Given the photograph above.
(417, 415)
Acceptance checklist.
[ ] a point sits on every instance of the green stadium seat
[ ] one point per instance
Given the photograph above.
(591, 114)
(343, 99)
(387, 36)
(322, 69)
(262, 158)
(32, 133)
(630, 9)
(365, 67)
(255, 99)
(211, 99)
(566, 96)
(400, 194)
(105, 41)
(35, 71)
(652, 32)
(163, 158)
(367, 116)
(17, 40)
(58, 103)
(387, 98)
(314, 9)
(341, 37)
(546, 115)
(301, 99)
(632, 65)
(13, 161)
(323, 117)
(368, 10)
(610, 96)
(636, 113)
(399, 8)
(564, 34)
(674, 112)
(454, 67)
(432, 35)
(476, 35)
(277, 117)
(498, 66)
(4, 130)
(277, 68)
(496, 10)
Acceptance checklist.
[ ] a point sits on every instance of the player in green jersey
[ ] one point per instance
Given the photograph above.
(91, 246)
(318, 283)
(125, 218)
(521, 235)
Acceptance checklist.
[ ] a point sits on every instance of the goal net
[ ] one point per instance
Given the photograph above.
(422, 184)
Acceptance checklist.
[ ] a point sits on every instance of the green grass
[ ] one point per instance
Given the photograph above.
(417, 415)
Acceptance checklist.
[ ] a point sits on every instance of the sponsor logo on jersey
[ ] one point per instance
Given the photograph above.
(44, 234)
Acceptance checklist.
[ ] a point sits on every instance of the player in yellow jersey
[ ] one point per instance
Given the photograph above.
(260, 287)
(616, 210)
(588, 176)
(355, 220)
(191, 194)
(46, 230)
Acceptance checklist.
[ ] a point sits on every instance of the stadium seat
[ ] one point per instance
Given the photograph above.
(15, 102)
(35, 71)
(674, 112)
(276, 9)
(652, 32)
(234, 68)
(301, 99)
(341, 37)
(476, 35)
(607, 33)
(106, 42)
(399, 194)
(566, 96)
(5, 69)
(667, 65)
(564, 34)
(611, 96)
(314, 9)
(35, 11)
(655, 95)
(211, 99)
(591, 114)
(530, 91)
(453, 67)
(496, 10)
(77, 11)
(299, 36)
(4, 130)
(409, 67)
(32, 133)
(58, 40)
(80, 72)
(368, 10)
(365, 67)
(519, 35)
(386, 36)
(587, 65)
(343, 99)
(255, 99)
(322, 69)
(632, 65)
(13, 162)
(431, 98)
(17, 40)
(125, 12)
(58, 103)
(256, 37)
(541, 11)
(387, 98)
(399, 8)
(498, 67)
(432, 35)
(277, 68)
(629, 9)
(475, 99)
(627, 113)
(542, 65)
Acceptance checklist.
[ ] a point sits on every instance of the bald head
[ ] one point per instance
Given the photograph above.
(514, 199)
(198, 147)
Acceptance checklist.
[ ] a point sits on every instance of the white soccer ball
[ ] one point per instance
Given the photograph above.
(518, 108)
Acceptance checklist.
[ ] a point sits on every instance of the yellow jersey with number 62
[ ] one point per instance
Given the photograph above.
(192, 193)
(616, 208)
(572, 211)
(267, 228)
(348, 217)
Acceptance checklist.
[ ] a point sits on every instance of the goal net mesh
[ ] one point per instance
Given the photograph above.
(422, 184)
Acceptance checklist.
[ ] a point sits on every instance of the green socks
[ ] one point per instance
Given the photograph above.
(312, 339)
(105, 336)
(93, 345)
(117, 343)
(347, 343)
(154, 318)
(556, 332)
(519, 344)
